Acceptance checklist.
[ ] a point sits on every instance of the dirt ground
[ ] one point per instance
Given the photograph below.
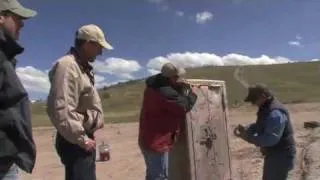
(127, 163)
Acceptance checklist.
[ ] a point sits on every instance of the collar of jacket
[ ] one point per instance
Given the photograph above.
(9, 46)
(267, 103)
(157, 81)
(85, 66)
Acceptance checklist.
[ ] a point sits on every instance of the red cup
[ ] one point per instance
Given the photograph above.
(104, 156)
(104, 152)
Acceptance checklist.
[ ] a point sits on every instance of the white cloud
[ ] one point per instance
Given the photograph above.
(154, 71)
(203, 17)
(106, 84)
(237, 59)
(36, 80)
(180, 13)
(191, 60)
(295, 43)
(33, 79)
(238, 1)
(162, 5)
(100, 81)
(102, 84)
(98, 78)
(164, 8)
(298, 37)
(119, 67)
(156, 1)
(281, 59)
(157, 62)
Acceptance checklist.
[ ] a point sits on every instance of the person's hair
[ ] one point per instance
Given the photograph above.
(5, 13)
(79, 42)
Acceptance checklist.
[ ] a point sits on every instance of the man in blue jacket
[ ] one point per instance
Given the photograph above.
(272, 132)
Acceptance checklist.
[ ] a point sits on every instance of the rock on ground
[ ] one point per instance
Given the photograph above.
(312, 158)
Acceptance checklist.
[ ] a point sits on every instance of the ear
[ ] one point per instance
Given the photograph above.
(2, 19)
(265, 95)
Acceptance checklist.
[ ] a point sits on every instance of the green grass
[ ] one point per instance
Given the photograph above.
(292, 83)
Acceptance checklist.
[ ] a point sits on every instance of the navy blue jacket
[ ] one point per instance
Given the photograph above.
(273, 131)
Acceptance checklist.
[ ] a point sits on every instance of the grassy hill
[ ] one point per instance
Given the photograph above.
(292, 83)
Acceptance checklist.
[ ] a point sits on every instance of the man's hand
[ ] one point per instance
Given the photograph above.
(183, 87)
(194, 88)
(90, 145)
(240, 131)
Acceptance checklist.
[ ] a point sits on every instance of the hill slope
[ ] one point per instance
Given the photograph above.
(294, 82)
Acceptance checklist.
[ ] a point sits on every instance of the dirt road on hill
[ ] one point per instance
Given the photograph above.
(127, 162)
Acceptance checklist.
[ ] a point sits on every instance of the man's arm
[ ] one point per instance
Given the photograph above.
(251, 129)
(64, 94)
(11, 89)
(12, 93)
(275, 124)
(177, 103)
(15, 123)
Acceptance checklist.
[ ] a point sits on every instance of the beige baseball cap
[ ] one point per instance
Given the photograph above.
(92, 32)
(170, 70)
(15, 7)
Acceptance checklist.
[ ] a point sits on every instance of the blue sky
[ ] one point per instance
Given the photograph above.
(147, 33)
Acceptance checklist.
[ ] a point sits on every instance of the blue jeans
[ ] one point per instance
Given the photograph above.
(156, 165)
(11, 174)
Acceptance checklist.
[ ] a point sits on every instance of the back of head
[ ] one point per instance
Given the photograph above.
(169, 70)
(256, 90)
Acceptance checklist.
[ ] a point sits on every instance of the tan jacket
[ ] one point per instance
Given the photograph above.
(73, 104)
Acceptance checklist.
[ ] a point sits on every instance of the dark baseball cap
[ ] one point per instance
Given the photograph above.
(15, 7)
(256, 90)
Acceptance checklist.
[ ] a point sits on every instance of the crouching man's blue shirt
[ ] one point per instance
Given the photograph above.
(274, 127)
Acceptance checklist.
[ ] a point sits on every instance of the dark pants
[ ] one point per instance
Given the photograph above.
(277, 166)
(79, 164)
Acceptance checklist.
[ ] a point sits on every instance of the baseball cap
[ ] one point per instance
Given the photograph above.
(93, 33)
(15, 7)
(170, 70)
(256, 90)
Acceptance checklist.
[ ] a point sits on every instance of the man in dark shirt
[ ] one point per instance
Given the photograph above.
(17, 147)
(272, 132)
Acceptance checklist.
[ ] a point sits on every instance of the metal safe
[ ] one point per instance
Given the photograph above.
(202, 150)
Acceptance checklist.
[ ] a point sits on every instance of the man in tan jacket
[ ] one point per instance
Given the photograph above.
(74, 106)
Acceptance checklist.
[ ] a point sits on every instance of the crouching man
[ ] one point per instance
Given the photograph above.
(272, 132)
